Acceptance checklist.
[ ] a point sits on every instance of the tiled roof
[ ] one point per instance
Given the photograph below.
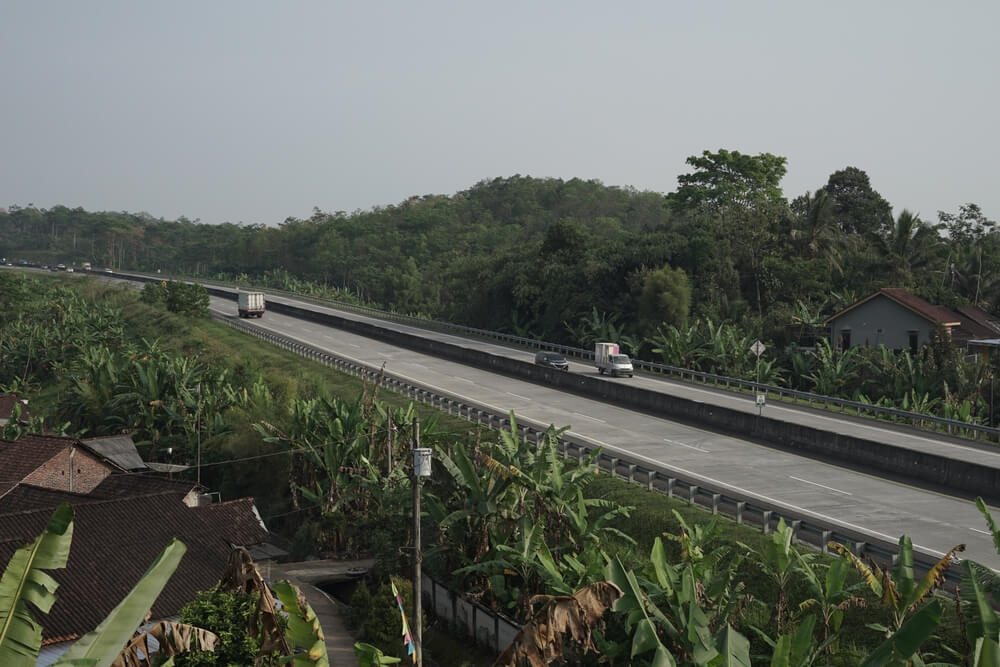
(982, 318)
(119, 449)
(930, 312)
(25, 497)
(239, 519)
(114, 542)
(28, 497)
(19, 458)
(130, 484)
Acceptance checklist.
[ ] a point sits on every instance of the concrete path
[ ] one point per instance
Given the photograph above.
(339, 640)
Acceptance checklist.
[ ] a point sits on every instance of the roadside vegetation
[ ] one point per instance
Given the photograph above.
(505, 520)
(690, 278)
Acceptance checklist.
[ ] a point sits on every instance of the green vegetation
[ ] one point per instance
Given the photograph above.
(505, 520)
(727, 254)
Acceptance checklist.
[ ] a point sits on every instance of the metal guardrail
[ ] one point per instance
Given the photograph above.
(743, 507)
(917, 420)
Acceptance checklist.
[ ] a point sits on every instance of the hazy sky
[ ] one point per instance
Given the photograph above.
(256, 111)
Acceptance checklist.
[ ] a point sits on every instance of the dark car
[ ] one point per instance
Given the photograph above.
(552, 360)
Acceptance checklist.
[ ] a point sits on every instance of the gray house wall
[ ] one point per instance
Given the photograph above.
(881, 313)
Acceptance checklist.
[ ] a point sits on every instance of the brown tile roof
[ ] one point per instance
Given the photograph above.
(19, 458)
(930, 312)
(240, 522)
(130, 484)
(115, 486)
(980, 317)
(114, 542)
(28, 497)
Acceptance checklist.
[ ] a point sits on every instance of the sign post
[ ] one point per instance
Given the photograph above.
(761, 399)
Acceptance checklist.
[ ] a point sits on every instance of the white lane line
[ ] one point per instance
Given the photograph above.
(580, 414)
(674, 442)
(984, 532)
(355, 345)
(822, 486)
(523, 398)
(780, 503)
(462, 379)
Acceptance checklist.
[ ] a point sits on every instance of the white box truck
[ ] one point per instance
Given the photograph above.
(610, 360)
(250, 304)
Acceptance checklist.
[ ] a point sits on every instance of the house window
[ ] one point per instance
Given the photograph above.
(914, 339)
(845, 338)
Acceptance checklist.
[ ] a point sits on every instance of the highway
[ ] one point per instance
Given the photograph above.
(879, 507)
(867, 503)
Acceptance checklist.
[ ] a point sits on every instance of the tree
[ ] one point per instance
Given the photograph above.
(665, 299)
(909, 246)
(730, 179)
(857, 207)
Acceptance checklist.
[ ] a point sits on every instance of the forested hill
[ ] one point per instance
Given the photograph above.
(537, 256)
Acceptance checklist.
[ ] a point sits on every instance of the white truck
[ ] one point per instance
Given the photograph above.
(609, 360)
(250, 304)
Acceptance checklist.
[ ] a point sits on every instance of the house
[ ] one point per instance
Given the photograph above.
(892, 317)
(123, 520)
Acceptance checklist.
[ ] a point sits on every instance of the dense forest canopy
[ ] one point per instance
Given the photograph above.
(540, 256)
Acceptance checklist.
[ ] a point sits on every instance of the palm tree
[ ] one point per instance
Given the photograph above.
(911, 246)
(816, 234)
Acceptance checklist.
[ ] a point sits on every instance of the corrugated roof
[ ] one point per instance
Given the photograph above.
(119, 449)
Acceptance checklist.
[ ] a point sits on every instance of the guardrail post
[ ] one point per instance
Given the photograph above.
(795, 530)
(825, 548)
(739, 511)
(631, 472)
(766, 521)
(650, 478)
(692, 492)
(670, 487)
(859, 548)
(614, 467)
(715, 502)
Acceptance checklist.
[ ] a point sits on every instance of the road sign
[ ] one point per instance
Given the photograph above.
(758, 348)
(761, 400)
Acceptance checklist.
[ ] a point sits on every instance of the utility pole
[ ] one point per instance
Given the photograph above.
(421, 468)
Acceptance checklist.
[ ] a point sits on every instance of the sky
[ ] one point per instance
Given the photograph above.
(253, 112)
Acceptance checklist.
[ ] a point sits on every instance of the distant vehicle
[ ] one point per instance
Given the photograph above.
(609, 359)
(60, 267)
(85, 266)
(108, 270)
(69, 270)
(250, 304)
(552, 360)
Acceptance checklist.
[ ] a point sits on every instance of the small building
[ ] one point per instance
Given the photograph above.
(892, 317)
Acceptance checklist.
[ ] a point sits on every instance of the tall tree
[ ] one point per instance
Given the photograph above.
(858, 208)
(730, 179)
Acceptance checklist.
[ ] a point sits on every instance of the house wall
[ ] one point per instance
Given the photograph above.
(883, 313)
(85, 473)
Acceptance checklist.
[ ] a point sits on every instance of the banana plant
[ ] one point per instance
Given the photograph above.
(777, 560)
(24, 580)
(683, 614)
(901, 594)
(831, 598)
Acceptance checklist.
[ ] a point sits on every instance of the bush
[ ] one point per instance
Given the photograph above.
(227, 615)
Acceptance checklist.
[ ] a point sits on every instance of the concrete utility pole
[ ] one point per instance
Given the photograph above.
(421, 468)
